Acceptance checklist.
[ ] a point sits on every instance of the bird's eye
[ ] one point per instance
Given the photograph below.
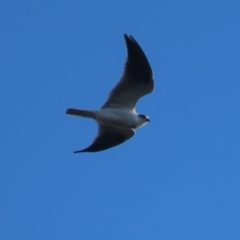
(142, 116)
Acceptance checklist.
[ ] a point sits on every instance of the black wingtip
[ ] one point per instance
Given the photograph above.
(79, 151)
(83, 150)
(67, 111)
(129, 38)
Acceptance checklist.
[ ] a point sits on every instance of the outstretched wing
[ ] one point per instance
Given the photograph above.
(108, 137)
(136, 81)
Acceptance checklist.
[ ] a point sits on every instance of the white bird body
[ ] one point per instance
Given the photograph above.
(123, 118)
(118, 118)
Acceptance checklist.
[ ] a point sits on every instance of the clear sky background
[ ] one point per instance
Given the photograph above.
(178, 178)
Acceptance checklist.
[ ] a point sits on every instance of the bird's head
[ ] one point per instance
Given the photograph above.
(144, 119)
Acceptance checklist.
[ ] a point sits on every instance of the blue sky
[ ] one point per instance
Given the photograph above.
(178, 178)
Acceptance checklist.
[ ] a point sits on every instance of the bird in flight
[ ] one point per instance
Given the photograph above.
(117, 119)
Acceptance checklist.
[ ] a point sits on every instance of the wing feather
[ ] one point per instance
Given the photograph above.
(136, 81)
(109, 137)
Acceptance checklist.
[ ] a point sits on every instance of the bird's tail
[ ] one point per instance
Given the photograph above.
(81, 113)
